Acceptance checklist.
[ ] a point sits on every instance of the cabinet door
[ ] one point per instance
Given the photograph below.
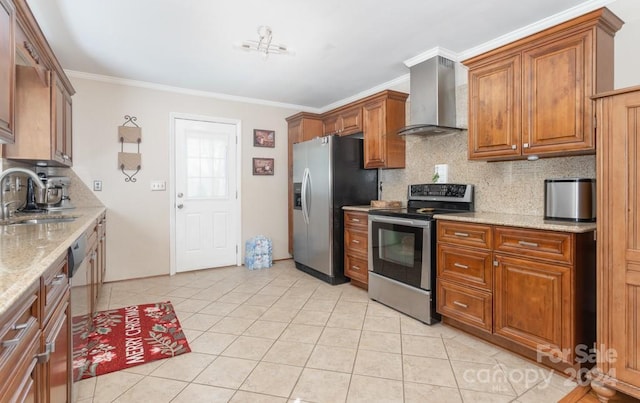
(58, 102)
(57, 369)
(619, 250)
(557, 84)
(533, 304)
(331, 125)
(7, 71)
(375, 146)
(351, 121)
(494, 109)
(67, 130)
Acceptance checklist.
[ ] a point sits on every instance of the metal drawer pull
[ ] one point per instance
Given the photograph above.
(355, 219)
(20, 326)
(11, 342)
(531, 244)
(465, 306)
(462, 266)
(354, 267)
(355, 241)
(464, 234)
(59, 279)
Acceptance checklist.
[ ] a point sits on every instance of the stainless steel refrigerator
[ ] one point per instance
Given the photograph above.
(328, 174)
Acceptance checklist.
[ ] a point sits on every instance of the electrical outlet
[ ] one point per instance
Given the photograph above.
(441, 173)
(97, 186)
(158, 186)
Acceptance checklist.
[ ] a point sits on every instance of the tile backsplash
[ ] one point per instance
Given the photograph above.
(515, 187)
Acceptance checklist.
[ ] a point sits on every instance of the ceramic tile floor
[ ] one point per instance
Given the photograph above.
(280, 335)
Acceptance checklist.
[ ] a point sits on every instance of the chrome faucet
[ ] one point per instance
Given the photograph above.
(4, 210)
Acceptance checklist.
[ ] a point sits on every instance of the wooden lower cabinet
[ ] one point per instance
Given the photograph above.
(35, 335)
(618, 273)
(356, 241)
(531, 291)
(532, 304)
(20, 337)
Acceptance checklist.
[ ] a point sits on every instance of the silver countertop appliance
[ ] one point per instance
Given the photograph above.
(60, 184)
(570, 199)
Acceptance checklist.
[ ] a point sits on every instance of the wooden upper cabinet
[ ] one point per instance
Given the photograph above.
(382, 117)
(558, 114)
(532, 96)
(494, 91)
(344, 122)
(7, 72)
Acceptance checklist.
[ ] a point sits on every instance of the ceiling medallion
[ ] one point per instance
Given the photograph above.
(265, 44)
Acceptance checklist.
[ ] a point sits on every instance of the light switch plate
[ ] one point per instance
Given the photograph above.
(97, 186)
(158, 186)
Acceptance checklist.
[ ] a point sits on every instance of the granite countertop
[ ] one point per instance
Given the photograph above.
(27, 251)
(517, 220)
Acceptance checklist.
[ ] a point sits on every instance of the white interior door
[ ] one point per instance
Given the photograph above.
(206, 198)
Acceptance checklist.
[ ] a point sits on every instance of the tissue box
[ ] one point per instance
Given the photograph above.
(258, 251)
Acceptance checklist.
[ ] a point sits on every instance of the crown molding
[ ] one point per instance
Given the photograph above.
(536, 27)
(185, 91)
(384, 86)
(426, 55)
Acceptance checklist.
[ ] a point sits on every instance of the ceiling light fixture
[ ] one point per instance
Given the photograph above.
(265, 44)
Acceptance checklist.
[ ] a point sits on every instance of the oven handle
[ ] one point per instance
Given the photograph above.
(399, 221)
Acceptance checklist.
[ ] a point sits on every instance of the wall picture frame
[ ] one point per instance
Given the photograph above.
(263, 166)
(264, 138)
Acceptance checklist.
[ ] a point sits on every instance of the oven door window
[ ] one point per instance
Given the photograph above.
(397, 252)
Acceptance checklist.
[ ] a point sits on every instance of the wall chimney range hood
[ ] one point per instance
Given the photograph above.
(433, 98)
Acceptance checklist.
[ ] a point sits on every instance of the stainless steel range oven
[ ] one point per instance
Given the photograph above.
(402, 248)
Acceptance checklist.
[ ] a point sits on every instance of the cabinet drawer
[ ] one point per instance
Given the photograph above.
(468, 266)
(55, 282)
(555, 246)
(356, 220)
(459, 233)
(356, 268)
(356, 242)
(465, 304)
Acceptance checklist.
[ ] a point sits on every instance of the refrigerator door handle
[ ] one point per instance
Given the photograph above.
(305, 206)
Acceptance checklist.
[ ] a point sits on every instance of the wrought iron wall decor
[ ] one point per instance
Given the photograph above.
(128, 161)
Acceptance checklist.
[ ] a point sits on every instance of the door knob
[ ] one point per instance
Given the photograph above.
(180, 194)
(180, 205)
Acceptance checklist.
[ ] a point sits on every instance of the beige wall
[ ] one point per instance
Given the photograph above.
(138, 219)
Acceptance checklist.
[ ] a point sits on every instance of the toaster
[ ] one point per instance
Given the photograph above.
(570, 199)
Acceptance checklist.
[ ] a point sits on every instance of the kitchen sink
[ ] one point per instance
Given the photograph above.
(44, 220)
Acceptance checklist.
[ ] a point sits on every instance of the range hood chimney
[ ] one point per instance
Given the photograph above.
(433, 98)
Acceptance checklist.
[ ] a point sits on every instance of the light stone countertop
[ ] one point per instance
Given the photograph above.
(517, 220)
(27, 251)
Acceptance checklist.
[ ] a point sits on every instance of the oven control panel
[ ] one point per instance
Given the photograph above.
(441, 191)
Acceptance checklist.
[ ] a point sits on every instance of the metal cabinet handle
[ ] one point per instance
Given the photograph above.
(11, 342)
(525, 145)
(463, 234)
(465, 306)
(354, 267)
(355, 219)
(48, 349)
(20, 326)
(59, 279)
(355, 241)
(461, 266)
(514, 147)
(525, 243)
